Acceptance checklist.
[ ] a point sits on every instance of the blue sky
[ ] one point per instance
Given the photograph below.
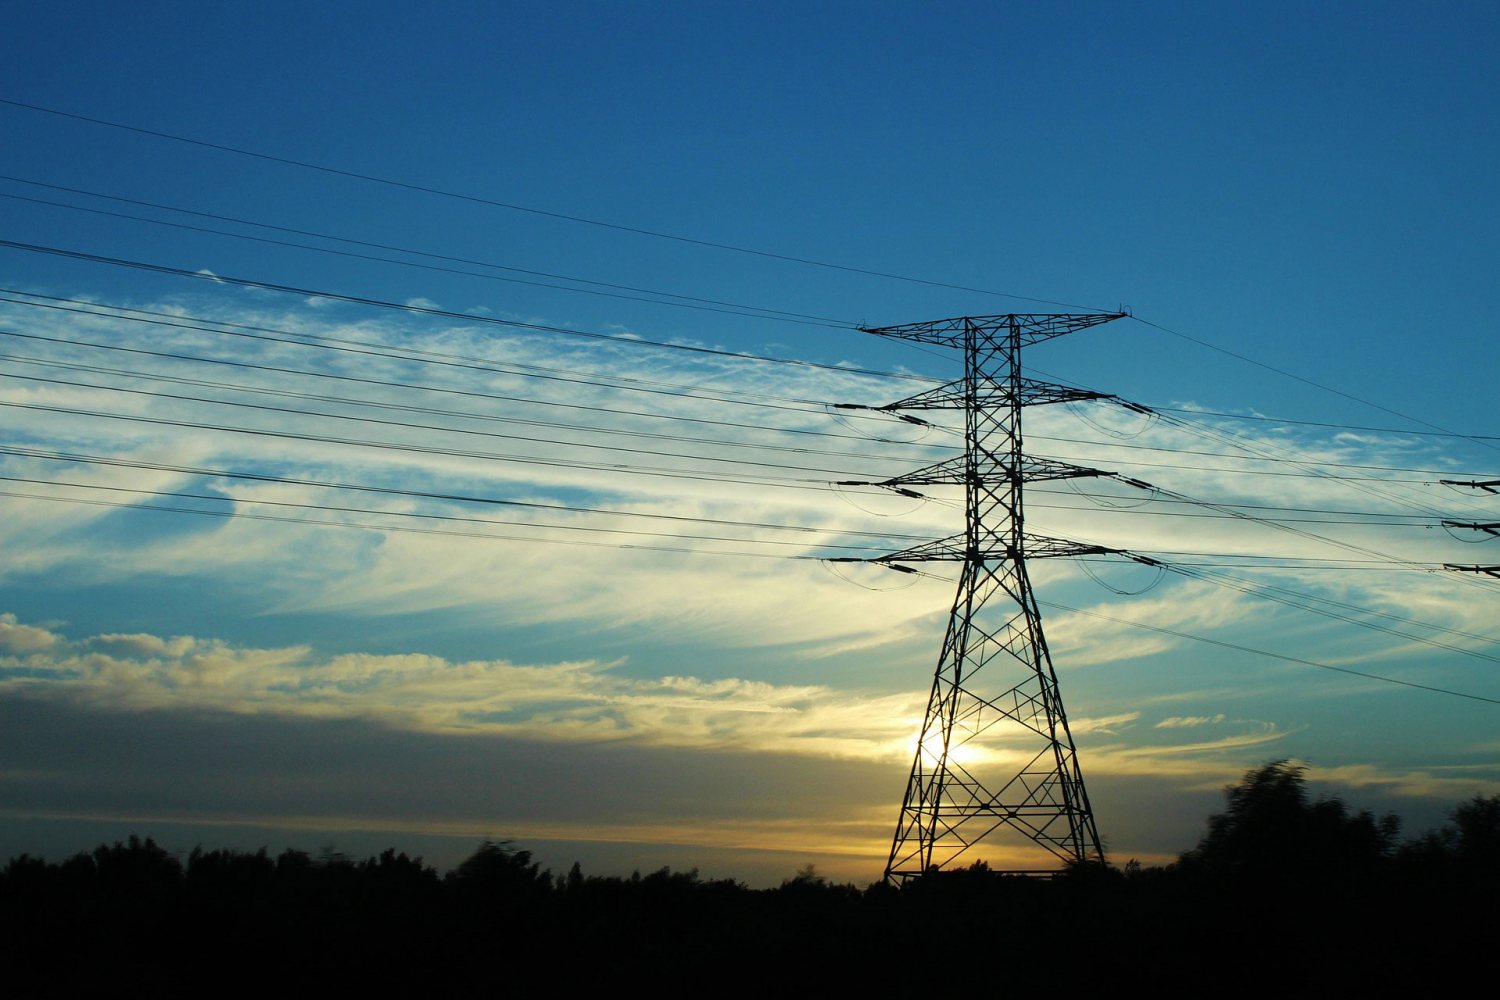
(1310, 186)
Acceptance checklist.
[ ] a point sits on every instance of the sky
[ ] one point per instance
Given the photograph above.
(624, 647)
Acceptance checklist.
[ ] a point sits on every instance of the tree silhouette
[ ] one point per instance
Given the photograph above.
(1272, 831)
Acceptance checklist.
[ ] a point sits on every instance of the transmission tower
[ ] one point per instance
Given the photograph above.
(994, 750)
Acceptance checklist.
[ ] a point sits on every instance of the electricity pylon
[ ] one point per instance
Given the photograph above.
(994, 750)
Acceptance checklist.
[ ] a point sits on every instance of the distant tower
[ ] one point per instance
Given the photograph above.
(994, 750)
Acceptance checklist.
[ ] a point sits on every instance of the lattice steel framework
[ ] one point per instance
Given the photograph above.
(994, 750)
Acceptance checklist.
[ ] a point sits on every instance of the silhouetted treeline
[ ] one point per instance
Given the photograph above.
(1279, 886)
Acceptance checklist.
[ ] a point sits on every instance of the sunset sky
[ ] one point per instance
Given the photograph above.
(502, 565)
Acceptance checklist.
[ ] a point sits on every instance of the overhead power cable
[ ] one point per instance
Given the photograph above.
(436, 358)
(497, 397)
(644, 294)
(657, 234)
(1239, 458)
(593, 529)
(780, 448)
(1298, 378)
(405, 529)
(1333, 566)
(444, 313)
(1256, 557)
(1251, 472)
(1425, 524)
(1263, 448)
(513, 207)
(1299, 532)
(466, 498)
(782, 482)
(1262, 652)
(1244, 506)
(1267, 449)
(1320, 423)
(379, 421)
(1301, 602)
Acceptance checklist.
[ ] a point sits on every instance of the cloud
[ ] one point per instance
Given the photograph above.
(1436, 782)
(141, 646)
(571, 701)
(600, 466)
(533, 426)
(1202, 764)
(1109, 724)
(17, 638)
(1189, 721)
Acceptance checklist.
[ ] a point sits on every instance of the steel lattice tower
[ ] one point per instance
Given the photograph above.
(995, 750)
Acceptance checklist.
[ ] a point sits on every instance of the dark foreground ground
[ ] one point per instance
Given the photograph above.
(1281, 894)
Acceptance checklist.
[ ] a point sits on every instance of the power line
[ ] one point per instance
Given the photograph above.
(1262, 652)
(1241, 458)
(1291, 599)
(1320, 423)
(444, 313)
(1252, 472)
(1374, 566)
(1264, 448)
(767, 428)
(647, 295)
(1299, 378)
(400, 528)
(781, 482)
(222, 473)
(1222, 517)
(436, 358)
(509, 206)
(1312, 560)
(1242, 506)
(399, 407)
(1301, 533)
(181, 494)
(390, 423)
(187, 470)
(640, 231)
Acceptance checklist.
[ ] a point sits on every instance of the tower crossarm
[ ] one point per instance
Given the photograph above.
(990, 393)
(956, 471)
(956, 549)
(1029, 328)
(1035, 470)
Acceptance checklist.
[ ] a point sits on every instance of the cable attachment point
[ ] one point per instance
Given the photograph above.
(1486, 570)
(1488, 485)
(1491, 528)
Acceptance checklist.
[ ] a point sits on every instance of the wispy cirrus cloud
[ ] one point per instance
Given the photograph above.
(1189, 721)
(570, 446)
